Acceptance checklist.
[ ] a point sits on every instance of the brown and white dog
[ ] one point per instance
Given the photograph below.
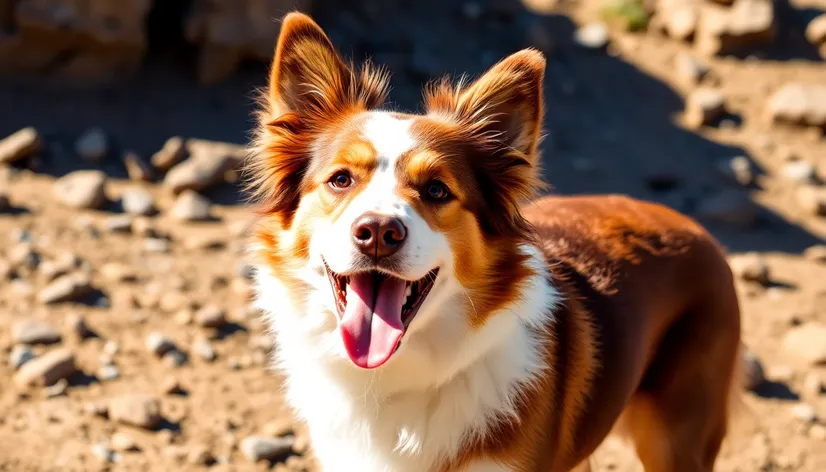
(429, 319)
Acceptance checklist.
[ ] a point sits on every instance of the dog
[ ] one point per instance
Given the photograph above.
(431, 315)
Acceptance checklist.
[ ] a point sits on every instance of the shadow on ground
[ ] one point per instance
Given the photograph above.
(611, 126)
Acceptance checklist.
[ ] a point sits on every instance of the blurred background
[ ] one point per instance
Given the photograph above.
(127, 338)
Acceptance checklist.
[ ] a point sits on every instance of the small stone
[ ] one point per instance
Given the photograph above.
(77, 324)
(118, 224)
(19, 355)
(730, 207)
(205, 241)
(118, 272)
(156, 245)
(690, 70)
(805, 413)
(257, 448)
(33, 332)
(159, 344)
(108, 372)
(20, 145)
(703, 107)
(753, 372)
(137, 201)
(24, 256)
(102, 452)
(200, 455)
(60, 266)
(47, 369)
(301, 444)
(737, 170)
(143, 411)
(279, 428)
(798, 103)
(21, 288)
(816, 253)
(782, 374)
(96, 409)
(58, 389)
(813, 384)
(66, 289)
(210, 316)
(111, 348)
(745, 25)
(175, 358)
(184, 317)
(190, 206)
(812, 200)
(802, 172)
(81, 189)
(171, 302)
(680, 22)
(136, 167)
(203, 349)
(92, 145)
(171, 386)
(205, 167)
(123, 442)
(808, 342)
(592, 36)
(751, 267)
(172, 152)
(144, 227)
(815, 33)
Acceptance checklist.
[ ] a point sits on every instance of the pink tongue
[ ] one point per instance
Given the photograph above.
(371, 325)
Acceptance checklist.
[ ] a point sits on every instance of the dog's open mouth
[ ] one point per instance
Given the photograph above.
(374, 310)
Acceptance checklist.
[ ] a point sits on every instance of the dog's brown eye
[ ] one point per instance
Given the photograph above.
(341, 180)
(436, 191)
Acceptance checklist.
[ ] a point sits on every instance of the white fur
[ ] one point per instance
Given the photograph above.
(446, 382)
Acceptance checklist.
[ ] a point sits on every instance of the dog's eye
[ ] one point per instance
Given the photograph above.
(341, 179)
(436, 191)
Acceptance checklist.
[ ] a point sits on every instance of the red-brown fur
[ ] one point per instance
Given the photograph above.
(648, 328)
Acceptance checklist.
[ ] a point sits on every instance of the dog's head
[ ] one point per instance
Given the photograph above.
(392, 223)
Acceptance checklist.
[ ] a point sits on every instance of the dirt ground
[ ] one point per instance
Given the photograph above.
(614, 122)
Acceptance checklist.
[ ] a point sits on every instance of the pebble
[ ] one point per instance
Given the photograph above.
(66, 289)
(279, 428)
(77, 324)
(20, 145)
(206, 166)
(19, 355)
(753, 372)
(203, 349)
(58, 389)
(746, 24)
(118, 224)
(205, 241)
(96, 409)
(123, 442)
(257, 448)
(812, 384)
(172, 152)
(592, 36)
(689, 69)
(24, 256)
(680, 22)
(59, 267)
(108, 372)
(703, 107)
(136, 167)
(34, 332)
(751, 267)
(144, 227)
(171, 386)
(171, 302)
(802, 172)
(143, 411)
(798, 103)
(808, 342)
(111, 348)
(47, 369)
(137, 201)
(190, 206)
(118, 272)
(175, 358)
(104, 454)
(737, 170)
(815, 31)
(816, 253)
(210, 316)
(159, 344)
(805, 413)
(82, 189)
(200, 455)
(156, 245)
(731, 207)
(92, 145)
(812, 200)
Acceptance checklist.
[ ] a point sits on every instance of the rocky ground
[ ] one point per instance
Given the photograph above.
(126, 336)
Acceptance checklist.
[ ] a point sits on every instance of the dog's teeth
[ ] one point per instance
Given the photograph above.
(405, 300)
(408, 292)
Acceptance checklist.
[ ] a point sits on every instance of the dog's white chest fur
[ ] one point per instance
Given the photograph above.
(422, 406)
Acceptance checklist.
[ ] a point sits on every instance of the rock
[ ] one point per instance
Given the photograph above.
(23, 256)
(58, 389)
(171, 386)
(689, 69)
(173, 301)
(137, 201)
(802, 172)
(737, 170)
(730, 207)
(279, 428)
(156, 245)
(816, 253)
(104, 454)
(77, 324)
(19, 355)
(172, 152)
(745, 25)
(136, 167)
(184, 317)
(118, 224)
(159, 344)
(812, 200)
(798, 103)
(33, 332)
(206, 166)
(703, 107)
(205, 241)
(257, 448)
(751, 267)
(82, 189)
(813, 384)
(118, 272)
(108, 372)
(62, 265)
(96, 409)
(805, 413)
(47, 369)
(66, 289)
(753, 373)
(678, 18)
(175, 358)
(20, 145)
(808, 342)
(143, 411)
(815, 32)
(190, 206)
(200, 455)
(123, 442)
(210, 316)
(144, 227)
(92, 145)
(203, 349)
(592, 36)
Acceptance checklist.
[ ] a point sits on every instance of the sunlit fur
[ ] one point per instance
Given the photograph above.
(511, 363)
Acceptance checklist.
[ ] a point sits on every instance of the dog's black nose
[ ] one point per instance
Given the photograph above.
(378, 235)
